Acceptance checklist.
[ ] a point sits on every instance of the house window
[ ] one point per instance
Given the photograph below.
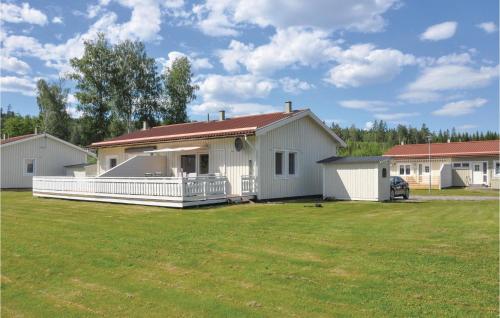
(111, 161)
(250, 167)
(291, 163)
(204, 164)
(497, 168)
(29, 167)
(278, 163)
(188, 163)
(427, 169)
(384, 173)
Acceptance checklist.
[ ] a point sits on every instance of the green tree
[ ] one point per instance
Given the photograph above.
(52, 100)
(93, 73)
(136, 87)
(179, 90)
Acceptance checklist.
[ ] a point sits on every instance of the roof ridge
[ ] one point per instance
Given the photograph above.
(448, 143)
(235, 117)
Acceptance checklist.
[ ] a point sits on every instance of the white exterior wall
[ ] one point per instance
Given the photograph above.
(311, 143)
(223, 158)
(51, 157)
(356, 181)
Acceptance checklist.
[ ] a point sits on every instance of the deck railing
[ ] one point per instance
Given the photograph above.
(248, 185)
(148, 188)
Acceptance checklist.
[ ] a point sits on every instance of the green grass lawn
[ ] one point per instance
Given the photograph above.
(77, 259)
(458, 192)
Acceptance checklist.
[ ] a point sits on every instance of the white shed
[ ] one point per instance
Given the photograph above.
(356, 178)
(31, 155)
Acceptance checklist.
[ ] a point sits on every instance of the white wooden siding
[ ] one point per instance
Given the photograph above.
(356, 181)
(51, 157)
(310, 142)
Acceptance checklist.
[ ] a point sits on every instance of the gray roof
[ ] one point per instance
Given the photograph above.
(340, 160)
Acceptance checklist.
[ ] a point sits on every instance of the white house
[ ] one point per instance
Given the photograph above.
(264, 156)
(26, 156)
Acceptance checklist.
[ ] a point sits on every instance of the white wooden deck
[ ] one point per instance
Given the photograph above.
(169, 192)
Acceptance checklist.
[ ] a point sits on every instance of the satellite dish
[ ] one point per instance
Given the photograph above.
(238, 144)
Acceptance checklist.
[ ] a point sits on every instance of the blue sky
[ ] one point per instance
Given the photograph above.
(351, 62)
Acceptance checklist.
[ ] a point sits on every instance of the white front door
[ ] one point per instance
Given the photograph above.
(479, 172)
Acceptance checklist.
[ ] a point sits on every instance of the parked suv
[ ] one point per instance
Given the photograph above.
(399, 187)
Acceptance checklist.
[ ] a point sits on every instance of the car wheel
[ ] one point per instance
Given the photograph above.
(392, 194)
(406, 196)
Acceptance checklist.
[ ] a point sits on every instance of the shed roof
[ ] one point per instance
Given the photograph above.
(451, 149)
(345, 160)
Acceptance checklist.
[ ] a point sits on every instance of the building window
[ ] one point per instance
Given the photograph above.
(188, 163)
(250, 167)
(111, 161)
(384, 173)
(204, 164)
(497, 168)
(427, 169)
(291, 163)
(29, 167)
(278, 163)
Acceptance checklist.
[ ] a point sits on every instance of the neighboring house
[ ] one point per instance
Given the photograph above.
(31, 155)
(265, 156)
(472, 163)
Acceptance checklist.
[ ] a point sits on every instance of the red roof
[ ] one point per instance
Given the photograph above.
(203, 129)
(452, 149)
(6, 141)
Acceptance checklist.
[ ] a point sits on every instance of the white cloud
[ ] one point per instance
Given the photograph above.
(232, 108)
(294, 85)
(143, 25)
(435, 80)
(22, 85)
(441, 31)
(460, 108)
(224, 17)
(196, 63)
(467, 127)
(363, 64)
(13, 64)
(395, 116)
(488, 27)
(368, 105)
(10, 12)
(454, 58)
(368, 125)
(448, 77)
(288, 47)
(57, 20)
(238, 87)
